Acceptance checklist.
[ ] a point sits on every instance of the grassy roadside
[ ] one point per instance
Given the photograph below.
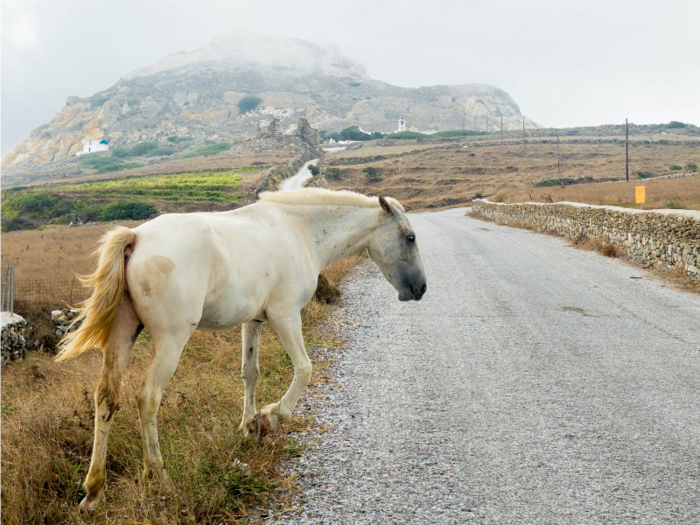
(47, 414)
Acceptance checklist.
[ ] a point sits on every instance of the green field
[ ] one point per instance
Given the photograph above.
(216, 186)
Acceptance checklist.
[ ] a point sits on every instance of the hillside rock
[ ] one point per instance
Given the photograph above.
(197, 94)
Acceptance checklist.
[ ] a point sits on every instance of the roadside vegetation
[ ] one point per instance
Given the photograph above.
(215, 474)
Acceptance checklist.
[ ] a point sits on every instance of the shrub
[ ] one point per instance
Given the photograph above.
(645, 174)
(315, 170)
(210, 149)
(18, 223)
(162, 152)
(407, 135)
(37, 205)
(333, 173)
(372, 174)
(353, 133)
(176, 139)
(249, 103)
(116, 166)
(97, 161)
(675, 167)
(691, 166)
(674, 124)
(332, 135)
(142, 148)
(122, 211)
(120, 152)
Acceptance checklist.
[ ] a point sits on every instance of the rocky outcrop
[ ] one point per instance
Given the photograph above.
(197, 94)
(669, 238)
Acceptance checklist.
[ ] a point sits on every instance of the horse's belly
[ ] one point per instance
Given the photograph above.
(229, 310)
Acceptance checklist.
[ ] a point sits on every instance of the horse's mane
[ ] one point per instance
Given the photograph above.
(321, 197)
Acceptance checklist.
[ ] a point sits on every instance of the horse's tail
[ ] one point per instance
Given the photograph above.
(108, 283)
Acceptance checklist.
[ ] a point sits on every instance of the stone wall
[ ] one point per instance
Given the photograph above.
(14, 346)
(662, 237)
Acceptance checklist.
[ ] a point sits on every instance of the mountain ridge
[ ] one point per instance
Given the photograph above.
(199, 93)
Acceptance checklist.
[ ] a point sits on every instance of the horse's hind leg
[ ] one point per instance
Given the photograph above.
(249, 372)
(116, 352)
(168, 347)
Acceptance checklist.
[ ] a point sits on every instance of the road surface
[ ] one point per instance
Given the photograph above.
(534, 383)
(296, 182)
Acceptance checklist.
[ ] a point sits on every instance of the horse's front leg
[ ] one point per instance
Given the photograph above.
(249, 373)
(289, 330)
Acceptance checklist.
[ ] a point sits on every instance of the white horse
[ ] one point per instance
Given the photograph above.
(212, 271)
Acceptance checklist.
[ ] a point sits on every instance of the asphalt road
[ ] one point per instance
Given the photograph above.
(534, 383)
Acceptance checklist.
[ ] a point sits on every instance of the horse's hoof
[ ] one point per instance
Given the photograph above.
(267, 420)
(90, 501)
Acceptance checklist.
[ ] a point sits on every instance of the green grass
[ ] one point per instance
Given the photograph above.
(209, 149)
(214, 186)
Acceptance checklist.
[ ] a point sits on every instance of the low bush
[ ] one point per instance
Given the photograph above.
(675, 167)
(691, 166)
(209, 149)
(372, 174)
(162, 152)
(124, 211)
(645, 174)
(249, 103)
(674, 124)
(407, 135)
(333, 173)
(177, 139)
(315, 170)
(18, 223)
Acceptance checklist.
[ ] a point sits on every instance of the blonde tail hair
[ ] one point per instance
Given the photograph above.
(108, 283)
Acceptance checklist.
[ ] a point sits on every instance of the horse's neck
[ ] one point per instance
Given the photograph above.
(335, 232)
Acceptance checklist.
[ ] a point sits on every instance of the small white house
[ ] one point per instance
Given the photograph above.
(93, 146)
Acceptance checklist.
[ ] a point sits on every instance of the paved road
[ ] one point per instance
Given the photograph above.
(535, 383)
(296, 182)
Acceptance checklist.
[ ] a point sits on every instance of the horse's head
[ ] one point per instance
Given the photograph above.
(394, 248)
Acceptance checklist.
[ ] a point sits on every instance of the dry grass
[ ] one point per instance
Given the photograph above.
(681, 193)
(438, 177)
(47, 414)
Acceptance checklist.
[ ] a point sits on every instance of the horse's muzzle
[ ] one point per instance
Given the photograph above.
(413, 292)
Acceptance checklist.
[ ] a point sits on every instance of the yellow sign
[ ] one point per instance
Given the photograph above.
(640, 194)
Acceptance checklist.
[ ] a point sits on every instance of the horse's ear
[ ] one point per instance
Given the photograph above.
(385, 205)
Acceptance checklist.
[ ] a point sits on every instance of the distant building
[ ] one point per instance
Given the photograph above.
(402, 124)
(93, 146)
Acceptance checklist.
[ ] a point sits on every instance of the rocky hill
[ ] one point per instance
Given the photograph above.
(231, 87)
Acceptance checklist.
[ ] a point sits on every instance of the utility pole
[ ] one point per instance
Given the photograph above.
(523, 134)
(627, 151)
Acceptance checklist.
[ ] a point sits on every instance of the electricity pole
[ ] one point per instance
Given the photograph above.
(627, 151)
(558, 170)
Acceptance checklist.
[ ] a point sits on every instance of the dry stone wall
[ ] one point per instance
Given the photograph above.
(14, 346)
(662, 237)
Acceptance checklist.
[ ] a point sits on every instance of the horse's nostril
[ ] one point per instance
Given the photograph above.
(423, 289)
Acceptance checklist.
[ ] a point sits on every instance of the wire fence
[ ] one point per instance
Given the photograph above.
(53, 292)
(8, 290)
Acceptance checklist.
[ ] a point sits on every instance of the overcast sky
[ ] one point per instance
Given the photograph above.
(566, 63)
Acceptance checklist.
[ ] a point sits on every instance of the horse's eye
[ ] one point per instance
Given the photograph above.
(411, 238)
